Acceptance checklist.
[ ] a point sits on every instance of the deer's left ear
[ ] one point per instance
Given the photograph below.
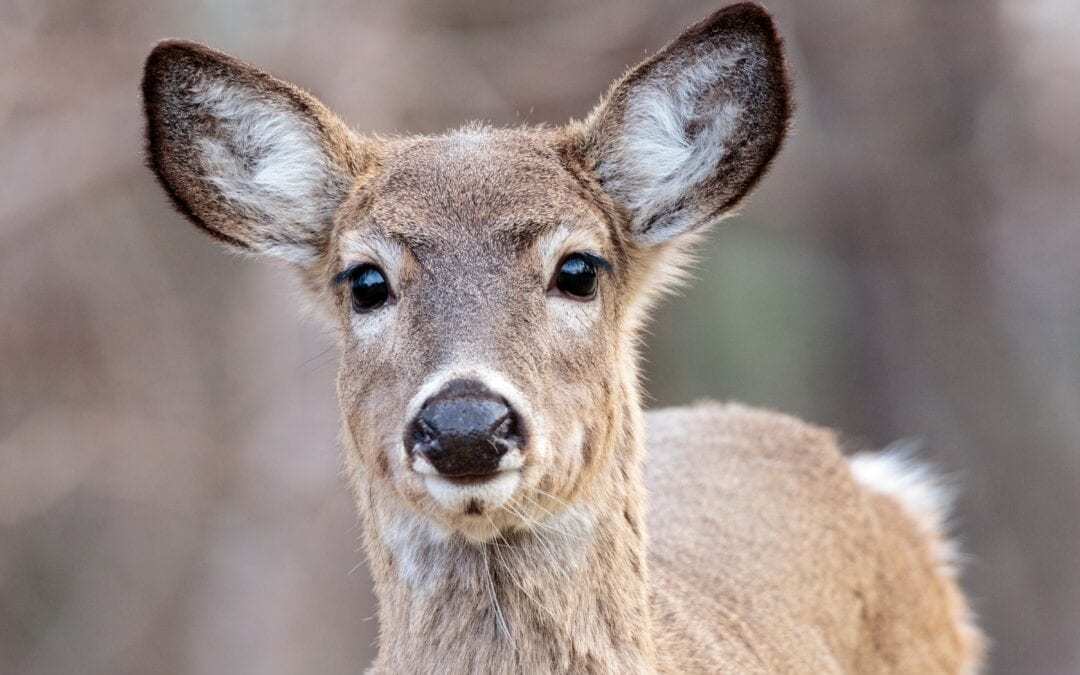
(683, 137)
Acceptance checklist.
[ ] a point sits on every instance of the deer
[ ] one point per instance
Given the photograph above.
(520, 511)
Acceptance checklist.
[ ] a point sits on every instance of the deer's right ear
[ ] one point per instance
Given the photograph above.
(254, 161)
(683, 137)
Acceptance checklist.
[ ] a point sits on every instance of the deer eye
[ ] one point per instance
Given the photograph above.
(576, 276)
(370, 289)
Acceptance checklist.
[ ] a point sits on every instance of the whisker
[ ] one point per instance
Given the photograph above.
(549, 553)
(516, 579)
(546, 525)
(500, 620)
(551, 496)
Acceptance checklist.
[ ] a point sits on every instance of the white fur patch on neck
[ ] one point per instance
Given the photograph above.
(658, 160)
(404, 535)
(266, 159)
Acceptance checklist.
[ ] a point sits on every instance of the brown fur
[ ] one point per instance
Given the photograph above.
(766, 555)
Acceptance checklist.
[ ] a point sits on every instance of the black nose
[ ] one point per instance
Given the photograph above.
(464, 430)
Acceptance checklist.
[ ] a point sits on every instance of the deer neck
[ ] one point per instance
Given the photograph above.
(570, 595)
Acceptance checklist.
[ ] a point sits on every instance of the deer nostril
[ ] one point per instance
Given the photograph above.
(423, 432)
(505, 427)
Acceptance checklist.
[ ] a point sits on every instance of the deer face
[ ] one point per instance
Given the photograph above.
(480, 288)
(488, 284)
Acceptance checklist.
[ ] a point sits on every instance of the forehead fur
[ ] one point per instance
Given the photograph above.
(507, 183)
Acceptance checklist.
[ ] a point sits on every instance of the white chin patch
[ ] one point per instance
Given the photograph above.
(473, 498)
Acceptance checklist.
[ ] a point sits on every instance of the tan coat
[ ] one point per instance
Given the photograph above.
(805, 568)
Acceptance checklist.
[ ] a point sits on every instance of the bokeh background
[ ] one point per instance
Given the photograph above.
(170, 497)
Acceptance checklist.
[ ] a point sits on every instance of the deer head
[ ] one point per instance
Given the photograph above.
(489, 283)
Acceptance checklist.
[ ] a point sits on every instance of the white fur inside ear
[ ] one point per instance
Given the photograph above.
(267, 161)
(658, 159)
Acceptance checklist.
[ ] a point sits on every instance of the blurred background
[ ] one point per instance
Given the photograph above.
(170, 497)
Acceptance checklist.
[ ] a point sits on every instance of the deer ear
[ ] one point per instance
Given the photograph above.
(683, 137)
(254, 161)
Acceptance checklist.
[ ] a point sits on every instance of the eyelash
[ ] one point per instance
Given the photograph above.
(345, 274)
(597, 261)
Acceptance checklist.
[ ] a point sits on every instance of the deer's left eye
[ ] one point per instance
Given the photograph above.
(576, 276)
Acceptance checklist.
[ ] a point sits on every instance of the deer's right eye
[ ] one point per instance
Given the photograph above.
(370, 290)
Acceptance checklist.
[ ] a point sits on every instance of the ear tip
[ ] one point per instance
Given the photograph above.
(162, 60)
(752, 18)
(177, 45)
(746, 10)
(174, 63)
(173, 50)
(746, 16)
(171, 55)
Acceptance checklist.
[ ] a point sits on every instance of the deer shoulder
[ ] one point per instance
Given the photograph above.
(811, 560)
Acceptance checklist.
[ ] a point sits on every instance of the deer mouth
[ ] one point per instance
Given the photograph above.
(473, 494)
(471, 479)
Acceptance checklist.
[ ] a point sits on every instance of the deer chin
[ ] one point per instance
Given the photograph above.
(478, 511)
